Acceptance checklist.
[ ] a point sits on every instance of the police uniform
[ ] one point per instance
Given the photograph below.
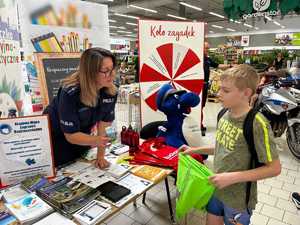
(69, 115)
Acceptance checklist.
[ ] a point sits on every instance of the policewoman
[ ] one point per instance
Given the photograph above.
(85, 99)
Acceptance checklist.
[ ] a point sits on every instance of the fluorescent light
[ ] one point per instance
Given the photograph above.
(268, 18)
(123, 31)
(122, 28)
(132, 24)
(256, 28)
(216, 14)
(216, 26)
(190, 6)
(231, 20)
(135, 29)
(130, 35)
(275, 22)
(138, 7)
(211, 32)
(127, 16)
(282, 27)
(247, 25)
(112, 21)
(177, 17)
(229, 29)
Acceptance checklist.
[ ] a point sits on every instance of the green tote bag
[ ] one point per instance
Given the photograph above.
(193, 185)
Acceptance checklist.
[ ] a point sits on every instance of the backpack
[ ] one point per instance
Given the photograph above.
(248, 134)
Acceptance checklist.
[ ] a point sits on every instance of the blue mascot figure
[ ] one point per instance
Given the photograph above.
(176, 105)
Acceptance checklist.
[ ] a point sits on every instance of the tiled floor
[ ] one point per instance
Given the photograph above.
(274, 208)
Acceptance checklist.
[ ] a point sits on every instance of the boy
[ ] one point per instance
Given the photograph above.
(232, 157)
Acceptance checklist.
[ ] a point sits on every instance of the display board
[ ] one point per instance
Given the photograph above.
(25, 148)
(170, 52)
(11, 98)
(52, 68)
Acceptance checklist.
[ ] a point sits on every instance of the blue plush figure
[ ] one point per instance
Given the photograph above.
(175, 104)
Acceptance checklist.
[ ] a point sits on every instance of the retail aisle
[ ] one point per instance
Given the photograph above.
(274, 208)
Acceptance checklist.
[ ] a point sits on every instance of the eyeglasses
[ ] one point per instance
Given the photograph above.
(108, 73)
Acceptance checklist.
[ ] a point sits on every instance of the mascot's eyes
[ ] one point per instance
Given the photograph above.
(176, 96)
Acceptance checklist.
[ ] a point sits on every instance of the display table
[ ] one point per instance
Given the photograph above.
(133, 200)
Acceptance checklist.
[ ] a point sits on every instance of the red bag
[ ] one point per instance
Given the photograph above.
(156, 152)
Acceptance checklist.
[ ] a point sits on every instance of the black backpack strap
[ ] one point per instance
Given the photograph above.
(221, 113)
(248, 134)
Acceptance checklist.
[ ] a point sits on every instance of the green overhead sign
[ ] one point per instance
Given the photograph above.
(243, 9)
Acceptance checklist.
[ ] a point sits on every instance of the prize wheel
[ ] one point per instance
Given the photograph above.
(170, 63)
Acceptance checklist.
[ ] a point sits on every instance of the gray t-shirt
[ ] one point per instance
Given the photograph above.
(232, 154)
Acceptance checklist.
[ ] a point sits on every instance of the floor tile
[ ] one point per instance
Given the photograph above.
(280, 193)
(259, 219)
(273, 212)
(291, 218)
(276, 222)
(121, 219)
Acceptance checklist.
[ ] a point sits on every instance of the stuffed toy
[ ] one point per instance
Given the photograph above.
(176, 105)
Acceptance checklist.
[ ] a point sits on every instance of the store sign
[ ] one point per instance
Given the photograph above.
(170, 52)
(25, 149)
(261, 5)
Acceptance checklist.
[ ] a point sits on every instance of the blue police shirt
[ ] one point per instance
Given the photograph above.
(69, 115)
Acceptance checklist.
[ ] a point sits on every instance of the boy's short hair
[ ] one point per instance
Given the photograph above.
(244, 76)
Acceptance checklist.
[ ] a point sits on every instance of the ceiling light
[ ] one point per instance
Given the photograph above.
(135, 29)
(282, 27)
(130, 35)
(211, 32)
(268, 18)
(229, 29)
(112, 21)
(231, 20)
(190, 6)
(177, 17)
(256, 28)
(216, 26)
(127, 16)
(216, 14)
(113, 27)
(113, 33)
(138, 7)
(123, 31)
(247, 25)
(275, 22)
(132, 24)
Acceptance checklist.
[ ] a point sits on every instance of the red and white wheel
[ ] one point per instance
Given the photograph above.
(170, 63)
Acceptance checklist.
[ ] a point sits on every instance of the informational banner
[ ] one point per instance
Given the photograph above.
(287, 39)
(170, 52)
(10, 61)
(25, 149)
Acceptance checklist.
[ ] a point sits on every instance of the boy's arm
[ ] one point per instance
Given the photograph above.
(205, 150)
(223, 180)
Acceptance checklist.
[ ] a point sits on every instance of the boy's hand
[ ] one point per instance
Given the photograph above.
(185, 149)
(222, 180)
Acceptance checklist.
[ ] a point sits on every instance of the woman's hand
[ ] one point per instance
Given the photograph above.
(102, 142)
(101, 162)
(222, 180)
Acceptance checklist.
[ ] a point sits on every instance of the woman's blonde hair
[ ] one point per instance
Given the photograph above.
(243, 76)
(90, 63)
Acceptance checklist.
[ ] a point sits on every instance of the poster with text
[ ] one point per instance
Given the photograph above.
(25, 149)
(10, 62)
(171, 52)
